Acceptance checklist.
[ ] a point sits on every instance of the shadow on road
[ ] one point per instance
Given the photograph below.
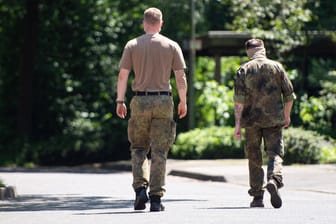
(70, 203)
(135, 212)
(228, 208)
(50, 203)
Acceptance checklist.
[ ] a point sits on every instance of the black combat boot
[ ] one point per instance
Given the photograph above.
(272, 188)
(257, 202)
(140, 198)
(156, 205)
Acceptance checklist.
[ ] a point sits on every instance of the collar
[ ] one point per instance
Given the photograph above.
(257, 52)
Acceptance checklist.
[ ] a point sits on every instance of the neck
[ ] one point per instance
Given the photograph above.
(151, 32)
(152, 29)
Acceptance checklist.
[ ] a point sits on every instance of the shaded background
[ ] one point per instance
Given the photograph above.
(59, 65)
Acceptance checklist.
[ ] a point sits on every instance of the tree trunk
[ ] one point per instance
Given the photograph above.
(25, 101)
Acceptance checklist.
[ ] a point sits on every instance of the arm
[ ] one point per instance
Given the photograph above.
(239, 99)
(287, 110)
(121, 90)
(238, 109)
(181, 82)
(288, 96)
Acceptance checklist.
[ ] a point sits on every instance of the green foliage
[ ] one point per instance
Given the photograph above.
(272, 20)
(312, 112)
(328, 154)
(301, 146)
(307, 147)
(319, 113)
(214, 104)
(322, 18)
(229, 67)
(76, 63)
(320, 71)
(207, 143)
(2, 184)
(75, 67)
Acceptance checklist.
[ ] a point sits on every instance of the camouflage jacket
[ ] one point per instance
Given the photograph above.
(262, 86)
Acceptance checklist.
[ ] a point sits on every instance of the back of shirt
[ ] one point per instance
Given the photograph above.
(262, 86)
(152, 57)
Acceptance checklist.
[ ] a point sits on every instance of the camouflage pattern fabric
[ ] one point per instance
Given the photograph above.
(262, 86)
(151, 128)
(273, 145)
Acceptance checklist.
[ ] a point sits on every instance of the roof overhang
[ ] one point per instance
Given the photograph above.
(231, 43)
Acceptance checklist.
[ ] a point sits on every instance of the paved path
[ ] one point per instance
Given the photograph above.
(319, 178)
(105, 196)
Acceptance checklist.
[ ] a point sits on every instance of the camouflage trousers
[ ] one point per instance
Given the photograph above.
(273, 145)
(151, 129)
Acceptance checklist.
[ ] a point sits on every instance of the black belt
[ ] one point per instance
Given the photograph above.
(164, 93)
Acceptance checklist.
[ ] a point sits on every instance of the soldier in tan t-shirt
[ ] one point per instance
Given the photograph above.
(151, 127)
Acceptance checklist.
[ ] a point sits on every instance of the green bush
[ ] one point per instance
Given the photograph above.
(2, 184)
(307, 147)
(328, 154)
(318, 113)
(301, 146)
(207, 143)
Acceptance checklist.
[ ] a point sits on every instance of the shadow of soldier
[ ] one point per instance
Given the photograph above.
(62, 202)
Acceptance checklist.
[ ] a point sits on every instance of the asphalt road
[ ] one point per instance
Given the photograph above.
(64, 198)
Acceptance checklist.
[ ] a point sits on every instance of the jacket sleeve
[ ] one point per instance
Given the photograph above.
(239, 86)
(286, 87)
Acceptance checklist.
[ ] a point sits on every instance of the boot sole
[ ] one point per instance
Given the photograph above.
(157, 209)
(257, 206)
(275, 196)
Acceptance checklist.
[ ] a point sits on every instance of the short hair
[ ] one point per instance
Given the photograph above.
(253, 43)
(153, 16)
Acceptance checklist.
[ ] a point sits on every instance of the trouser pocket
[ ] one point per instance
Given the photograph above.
(138, 132)
(173, 133)
(163, 132)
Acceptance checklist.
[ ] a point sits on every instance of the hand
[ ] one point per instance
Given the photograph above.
(237, 133)
(121, 110)
(287, 122)
(182, 110)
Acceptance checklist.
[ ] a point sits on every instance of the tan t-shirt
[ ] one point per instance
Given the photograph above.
(152, 57)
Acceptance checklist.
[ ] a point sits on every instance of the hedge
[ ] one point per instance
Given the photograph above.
(208, 143)
(301, 146)
(2, 184)
(308, 147)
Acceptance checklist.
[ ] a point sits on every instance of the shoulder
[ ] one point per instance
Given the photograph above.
(277, 65)
(165, 38)
(168, 41)
(241, 71)
(130, 44)
(243, 68)
(133, 42)
(271, 62)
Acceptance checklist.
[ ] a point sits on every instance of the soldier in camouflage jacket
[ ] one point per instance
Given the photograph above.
(263, 100)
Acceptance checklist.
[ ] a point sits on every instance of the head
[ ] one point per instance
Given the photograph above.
(253, 43)
(254, 46)
(152, 20)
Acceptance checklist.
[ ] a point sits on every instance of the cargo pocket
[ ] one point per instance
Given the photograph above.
(172, 133)
(130, 130)
(138, 132)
